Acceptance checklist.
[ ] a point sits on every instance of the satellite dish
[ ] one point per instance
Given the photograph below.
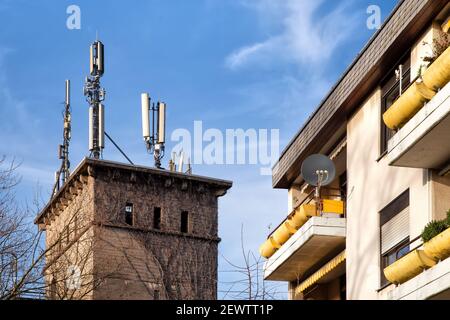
(318, 170)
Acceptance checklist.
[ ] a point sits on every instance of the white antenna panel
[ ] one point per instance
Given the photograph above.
(145, 105)
(67, 92)
(101, 125)
(100, 64)
(162, 122)
(91, 60)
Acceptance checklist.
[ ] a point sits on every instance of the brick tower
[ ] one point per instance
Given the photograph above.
(117, 231)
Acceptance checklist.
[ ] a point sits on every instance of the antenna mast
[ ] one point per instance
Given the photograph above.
(64, 148)
(154, 134)
(63, 173)
(95, 94)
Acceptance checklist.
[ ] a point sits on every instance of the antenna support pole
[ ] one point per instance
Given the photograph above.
(63, 173)
(95, 94)
(322, 175)
(154, 137)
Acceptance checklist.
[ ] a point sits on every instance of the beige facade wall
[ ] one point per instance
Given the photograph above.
(371, 186)
(374, 184)
(441, 196)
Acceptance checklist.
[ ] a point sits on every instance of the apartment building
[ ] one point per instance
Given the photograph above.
(386, 127)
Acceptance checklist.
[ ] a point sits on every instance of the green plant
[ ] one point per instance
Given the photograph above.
(433, 228)
(439, 45)
(448, 218)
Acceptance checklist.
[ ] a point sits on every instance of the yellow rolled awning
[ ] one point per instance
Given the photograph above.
(322, 272)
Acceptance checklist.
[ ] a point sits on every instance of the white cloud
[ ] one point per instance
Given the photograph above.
(306, 38)
(238, 57)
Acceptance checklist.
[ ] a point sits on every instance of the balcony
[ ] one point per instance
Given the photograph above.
(316, 242)
(431, 284)
(319, 237)
(312, 234)
(423, 273)
(423, 141)
(421, 117)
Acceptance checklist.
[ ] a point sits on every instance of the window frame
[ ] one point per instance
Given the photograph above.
(395, 207)
(388, 86)
(129, 214)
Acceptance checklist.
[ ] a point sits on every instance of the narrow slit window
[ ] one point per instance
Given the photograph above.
(129, 214)
(157, 218)
(184, 222)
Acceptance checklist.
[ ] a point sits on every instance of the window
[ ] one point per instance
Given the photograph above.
(157, 218)
(184, 222)
(129, 214)
(390, 91)
(394, 232)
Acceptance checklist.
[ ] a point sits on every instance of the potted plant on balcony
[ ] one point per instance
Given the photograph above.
(436, 237)
(439, 45)
(408, 266)
(437, 75)
(407, 105)
(430, 81)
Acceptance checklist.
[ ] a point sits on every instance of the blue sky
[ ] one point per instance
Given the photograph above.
(232, 64)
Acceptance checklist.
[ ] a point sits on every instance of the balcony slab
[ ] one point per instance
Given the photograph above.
(319, 240)
(423, 142)
(431, 284)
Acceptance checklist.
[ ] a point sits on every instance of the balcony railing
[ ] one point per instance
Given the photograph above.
(331, 203)
(422, 257)
(419, 92)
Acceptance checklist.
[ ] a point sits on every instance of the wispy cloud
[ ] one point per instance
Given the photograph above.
(304, 36)
(16, 112)
(7, 101)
